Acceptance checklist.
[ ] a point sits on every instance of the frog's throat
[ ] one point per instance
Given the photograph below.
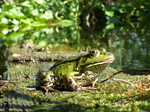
(110, 59)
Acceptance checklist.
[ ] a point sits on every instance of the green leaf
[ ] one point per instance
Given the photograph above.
(7, 7)
(15, 36)
(97, 4)
(64, 22)
(9, 15)
(4, 31)
(110, 26)
(109, 13)
(17, 14)
(35, 12)
(4, 21)
(14, 14)
(16, 22)
(9, 42)
(40, 1)
(26, 21)
(47, 15)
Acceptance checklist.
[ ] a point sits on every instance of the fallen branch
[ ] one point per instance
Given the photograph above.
(6, 81)
(146, 71)
(124, 81)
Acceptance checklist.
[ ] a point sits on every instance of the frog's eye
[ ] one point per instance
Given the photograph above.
(94, 52)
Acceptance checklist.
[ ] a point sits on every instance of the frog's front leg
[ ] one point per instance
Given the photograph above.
(73, 82)
(74, 85)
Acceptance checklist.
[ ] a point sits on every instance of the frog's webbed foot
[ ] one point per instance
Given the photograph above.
(88, 89)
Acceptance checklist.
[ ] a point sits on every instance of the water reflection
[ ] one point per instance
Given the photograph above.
(132, 49)
(3, 59)
(130, 45)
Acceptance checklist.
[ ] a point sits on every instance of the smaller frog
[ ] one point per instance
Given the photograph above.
(44, 78)
(45, 81)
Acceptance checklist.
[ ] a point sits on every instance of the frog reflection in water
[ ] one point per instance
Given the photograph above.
(76, 73)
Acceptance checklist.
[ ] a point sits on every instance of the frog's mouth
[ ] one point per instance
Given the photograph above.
(109, 60)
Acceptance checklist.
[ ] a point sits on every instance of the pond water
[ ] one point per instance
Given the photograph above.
(130, 43)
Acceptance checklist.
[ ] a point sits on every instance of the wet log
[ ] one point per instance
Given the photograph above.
(42, 56)
(31, 55)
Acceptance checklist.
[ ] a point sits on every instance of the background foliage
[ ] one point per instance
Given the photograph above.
(47, 11)
(93, 15)
(35, 12)
(80, 24)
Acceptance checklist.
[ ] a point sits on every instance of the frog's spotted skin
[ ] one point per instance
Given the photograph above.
(76, 73)
(45, 78)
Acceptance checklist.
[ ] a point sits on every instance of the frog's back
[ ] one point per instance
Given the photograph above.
(67, 60)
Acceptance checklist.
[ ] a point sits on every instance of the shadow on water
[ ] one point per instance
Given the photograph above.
(26, 102)
(47, 102)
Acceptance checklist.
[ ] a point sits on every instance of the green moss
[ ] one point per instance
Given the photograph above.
(110, 96)
(103, 99)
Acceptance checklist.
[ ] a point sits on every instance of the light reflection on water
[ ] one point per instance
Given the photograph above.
(131, 48)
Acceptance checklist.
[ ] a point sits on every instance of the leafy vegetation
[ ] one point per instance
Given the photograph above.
(38, 12)
(115, 10)
(96, 17)
(48, 11)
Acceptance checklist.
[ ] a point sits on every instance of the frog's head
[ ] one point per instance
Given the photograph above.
(44, 78)
(96, 60)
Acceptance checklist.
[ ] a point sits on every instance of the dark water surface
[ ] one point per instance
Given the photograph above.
(131, 46)
(3, 59)
(129, 43)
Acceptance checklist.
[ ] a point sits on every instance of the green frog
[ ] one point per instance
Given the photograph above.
(76, 73)
(44, 78)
